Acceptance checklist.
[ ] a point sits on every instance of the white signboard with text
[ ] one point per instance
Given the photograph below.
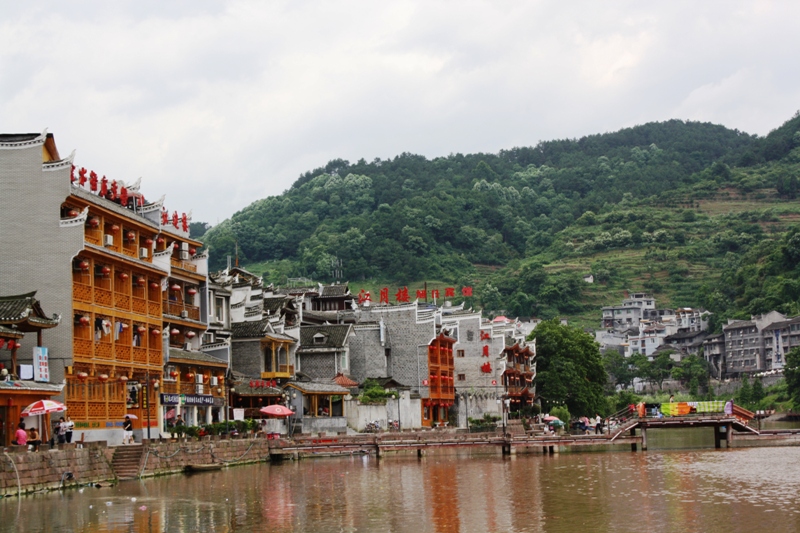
(41, 367)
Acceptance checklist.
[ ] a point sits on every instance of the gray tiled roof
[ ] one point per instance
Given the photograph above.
(250, 329)
(335, 336)
(318, 387)
(24, 308)
(200, 357)
(334, 291)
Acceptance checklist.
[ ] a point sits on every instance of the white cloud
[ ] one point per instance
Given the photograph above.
(219, 104)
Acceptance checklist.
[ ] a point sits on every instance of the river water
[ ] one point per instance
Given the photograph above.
(667, 490)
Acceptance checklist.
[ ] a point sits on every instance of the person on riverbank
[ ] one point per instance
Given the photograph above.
(61, 431)
(598, 426)
(34, 440)
(21, 436)
(641, 410)
(728, 407)
(127, 431)
(70, 427)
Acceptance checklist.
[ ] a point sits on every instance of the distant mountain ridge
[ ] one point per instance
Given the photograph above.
(520, 211)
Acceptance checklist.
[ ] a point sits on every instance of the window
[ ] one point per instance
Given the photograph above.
(319, 338)
(344, 361)
(470, 335)
(219, 309)
(459, 353)
(462, 377)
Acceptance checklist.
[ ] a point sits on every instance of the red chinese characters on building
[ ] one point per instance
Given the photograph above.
(164, 217)
(82, 177)
(113, 189)
(384, 295)
(449, 292)
(422, 294)
(435, 294)
(486, 368)
(103, 185)
(175, 219)
(184, 222)
(123, 196)
(485, 335)
(402, 295)
(486, 350)
(466, 291)
(364, 297)
(93, 181)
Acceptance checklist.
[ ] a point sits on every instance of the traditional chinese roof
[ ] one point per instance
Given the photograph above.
(274, 304)
(195, 357)
(9, 333)
(326, 337)
(344, 381)
(25, 313)
(243, 388)
(334, 291)
(251, 329)
(318, 387)
(48, 389)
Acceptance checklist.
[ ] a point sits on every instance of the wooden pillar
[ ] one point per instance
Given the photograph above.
(644, 439)
(717, 438)
(633, 444)
(729, 435)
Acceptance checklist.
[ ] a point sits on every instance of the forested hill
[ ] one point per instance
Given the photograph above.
(411, 219)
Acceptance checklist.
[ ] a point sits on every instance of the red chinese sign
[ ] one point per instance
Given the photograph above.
(422, 294)
(384, 296)
(466, 291)
(402, 295)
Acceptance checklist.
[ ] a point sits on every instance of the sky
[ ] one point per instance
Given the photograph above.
(217, 104)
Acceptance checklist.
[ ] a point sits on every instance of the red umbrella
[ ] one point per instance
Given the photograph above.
(550, 418)
(276, 410)
(42, 407)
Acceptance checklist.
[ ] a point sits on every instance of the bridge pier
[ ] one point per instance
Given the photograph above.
(729, 435)
(420, 453)
(633, 444)
(644, 438)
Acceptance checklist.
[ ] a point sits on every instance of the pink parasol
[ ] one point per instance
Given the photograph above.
(42, 407)
(132, 417)
(276, 410)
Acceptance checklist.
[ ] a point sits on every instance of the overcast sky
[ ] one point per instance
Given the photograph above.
(218, 104)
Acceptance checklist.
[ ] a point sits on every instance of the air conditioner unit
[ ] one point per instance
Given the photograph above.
(184, 246)
(184, 314)
(184, 256)
(108, 240)
(214, 381)
(143, 253)
(198, 378)
(198, 388)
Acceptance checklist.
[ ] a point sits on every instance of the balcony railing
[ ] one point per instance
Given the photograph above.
(179, 309)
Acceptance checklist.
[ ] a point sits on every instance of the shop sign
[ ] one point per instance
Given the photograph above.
(187, 399)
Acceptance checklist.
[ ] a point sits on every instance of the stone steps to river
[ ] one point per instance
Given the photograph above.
(127, 460)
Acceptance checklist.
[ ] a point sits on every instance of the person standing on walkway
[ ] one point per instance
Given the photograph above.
(61, 431)
(70, 426)
(729, 407)
(127, 430)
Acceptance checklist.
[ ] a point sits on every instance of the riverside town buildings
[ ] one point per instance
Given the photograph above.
(140, 327)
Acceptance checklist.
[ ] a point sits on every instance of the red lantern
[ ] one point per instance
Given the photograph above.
(123, 378)
(175, 287)
(72, 213)
(105, 270)
(155, 331)
(174, 331)
(82, 376)
(192, 291)
(94, 222)
(85, 320)
(141, 281)
(123, 276)
(190, 334)
(103, 377)
(131, 235)
(114, 228)
(141, 329)
(192, 251)
(160, 240)
(148, 242)
(153, 285)
(221, 376)
(175, 246)
(173, 374)
(189, 375)
(2, 342)
(84, 265)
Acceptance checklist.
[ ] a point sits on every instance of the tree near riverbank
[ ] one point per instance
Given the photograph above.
(569, 369)
(791, 373)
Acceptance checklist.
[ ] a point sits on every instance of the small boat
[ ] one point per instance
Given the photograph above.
(203, 468)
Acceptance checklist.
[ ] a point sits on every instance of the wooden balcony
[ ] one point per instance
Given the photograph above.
(178, 308)
(184, 265)
(284, 371)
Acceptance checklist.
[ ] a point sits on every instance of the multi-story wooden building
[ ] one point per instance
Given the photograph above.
(441, 389)
(119, 267)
